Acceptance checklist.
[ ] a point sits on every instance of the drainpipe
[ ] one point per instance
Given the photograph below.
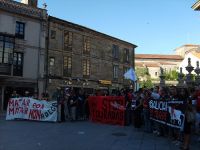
(47, 54)
(38, 65)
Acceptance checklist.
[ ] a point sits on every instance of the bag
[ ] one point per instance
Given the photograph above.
(190, 117)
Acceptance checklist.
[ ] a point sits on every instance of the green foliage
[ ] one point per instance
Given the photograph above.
(142, 72)
(171, 75)
(144, 77)
(148, 83)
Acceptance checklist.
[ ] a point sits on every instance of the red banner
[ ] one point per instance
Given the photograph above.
(107, 109)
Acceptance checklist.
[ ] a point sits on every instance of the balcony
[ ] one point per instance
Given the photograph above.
(5, 69)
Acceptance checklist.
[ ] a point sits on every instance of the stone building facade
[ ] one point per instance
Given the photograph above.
(80, 57)
(22, 48)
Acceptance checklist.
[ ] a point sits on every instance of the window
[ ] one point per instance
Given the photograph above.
(20, 28)
(68, 39)
(87, 45)
(18, 64)
(6, 49)
(67, 70)
(86, 68)
(156, 74)
(126, 55)
(115, 71)
(51, 65)
(53, 34)
(115, 51)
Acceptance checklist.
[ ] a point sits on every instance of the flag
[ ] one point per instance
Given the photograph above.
(130, 74)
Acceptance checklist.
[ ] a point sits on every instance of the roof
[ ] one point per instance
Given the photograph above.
(146, 64)
(22, 9)
(196, 5)
(152, 65)
(157, 56)
(82, 28)
(188, 45)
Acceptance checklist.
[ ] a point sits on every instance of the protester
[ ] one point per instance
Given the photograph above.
(128, 99)
(58, 97)
(189, 119)
(146, 111)
(14, 94)
(73, 105)
(80, 104)
(137, 114)
(66, 104)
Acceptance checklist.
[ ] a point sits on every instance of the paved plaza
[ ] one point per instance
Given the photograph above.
(82, 135)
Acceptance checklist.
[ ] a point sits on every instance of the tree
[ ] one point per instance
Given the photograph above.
(144, 77)
(171, 75)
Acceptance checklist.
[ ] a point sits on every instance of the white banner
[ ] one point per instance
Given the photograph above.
(31, 109)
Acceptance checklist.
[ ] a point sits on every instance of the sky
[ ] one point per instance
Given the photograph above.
(155, 26)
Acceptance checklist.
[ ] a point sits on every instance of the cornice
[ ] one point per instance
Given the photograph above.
(22, 9)
(196, 6)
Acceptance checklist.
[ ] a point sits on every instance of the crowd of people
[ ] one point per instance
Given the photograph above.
(73, 105)
(191, 103)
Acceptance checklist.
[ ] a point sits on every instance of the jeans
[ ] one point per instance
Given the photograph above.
(147, 121)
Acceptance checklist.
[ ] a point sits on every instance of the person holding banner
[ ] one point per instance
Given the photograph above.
(58, 97)
(137, 117)
(174, 133)
(146, 112)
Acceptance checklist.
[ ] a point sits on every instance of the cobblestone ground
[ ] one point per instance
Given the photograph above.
(83, 135)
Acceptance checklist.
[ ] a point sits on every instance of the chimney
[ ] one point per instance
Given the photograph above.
(32, 3)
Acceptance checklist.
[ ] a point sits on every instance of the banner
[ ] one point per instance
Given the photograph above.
(31, 109)
(107, 109)
(170, 113)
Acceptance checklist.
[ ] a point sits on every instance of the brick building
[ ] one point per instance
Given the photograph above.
(80, 57)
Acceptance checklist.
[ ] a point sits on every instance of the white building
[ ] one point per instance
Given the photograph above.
(194, 56)
(22, 48)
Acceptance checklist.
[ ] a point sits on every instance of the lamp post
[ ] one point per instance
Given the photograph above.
(162, 77)
(180, 78)
(189, 69)
(197, 71)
